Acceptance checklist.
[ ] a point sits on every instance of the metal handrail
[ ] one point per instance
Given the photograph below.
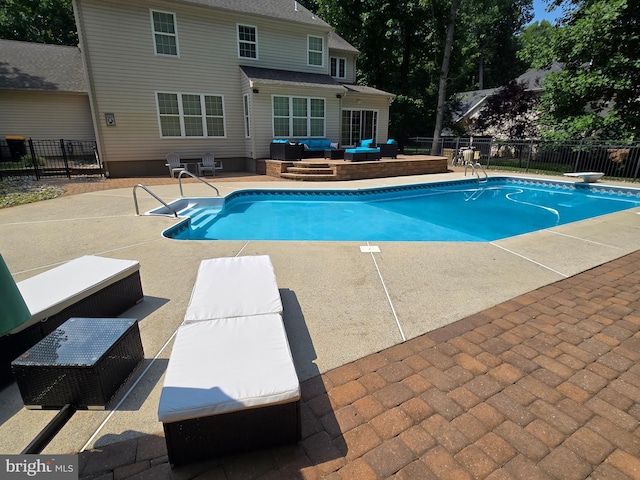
(135, 199)
(473, 169)
(187, 172)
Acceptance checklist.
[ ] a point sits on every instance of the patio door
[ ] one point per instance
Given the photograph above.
(358, 125)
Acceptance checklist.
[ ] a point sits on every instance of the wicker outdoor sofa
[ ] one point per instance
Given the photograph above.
(230, 385)
(87, 286)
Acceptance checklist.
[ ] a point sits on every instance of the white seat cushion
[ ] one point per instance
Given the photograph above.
(226, 365)
(52, 291)
(234, 287)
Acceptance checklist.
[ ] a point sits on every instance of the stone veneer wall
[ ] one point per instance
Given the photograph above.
(373, 169)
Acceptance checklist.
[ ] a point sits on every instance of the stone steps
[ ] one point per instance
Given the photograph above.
(312, 171)
(309, 177)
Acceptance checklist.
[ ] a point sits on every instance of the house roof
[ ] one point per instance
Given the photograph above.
(269, 76)
(532, 79)
(353, 88)
(289, 10)
(336, 42)
(39, 66)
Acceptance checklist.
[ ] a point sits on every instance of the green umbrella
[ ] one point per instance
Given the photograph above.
(13, 310)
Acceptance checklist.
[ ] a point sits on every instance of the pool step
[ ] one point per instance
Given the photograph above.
(313, 171)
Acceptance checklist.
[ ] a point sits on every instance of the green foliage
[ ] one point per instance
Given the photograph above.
(509, 113)
(42, 21)
(596, 95)
(537, 45)
(402, 43)
(25, 162)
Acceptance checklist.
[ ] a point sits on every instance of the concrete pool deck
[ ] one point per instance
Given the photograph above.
(346, 312)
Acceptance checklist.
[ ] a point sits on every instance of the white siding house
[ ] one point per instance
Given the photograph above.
(219, 76)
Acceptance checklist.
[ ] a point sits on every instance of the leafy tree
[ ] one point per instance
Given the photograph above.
(402, 44)
(537, 44)
(42, 21)
(509, 113)
(596, 95)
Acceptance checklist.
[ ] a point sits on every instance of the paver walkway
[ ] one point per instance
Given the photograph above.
(544, 386)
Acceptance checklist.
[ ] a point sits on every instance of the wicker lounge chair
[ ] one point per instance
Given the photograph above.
(230, 384)
(88, 286)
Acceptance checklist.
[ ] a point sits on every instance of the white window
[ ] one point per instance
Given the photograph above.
(247, 117)
(298, 117)
(190, 115)
(338, 67)
(315, 48)
(165, 33)
(247, 41)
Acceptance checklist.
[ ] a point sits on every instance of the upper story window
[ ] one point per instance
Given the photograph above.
(338, 67)
(315, 49)
(165, 33)
(190, 115)
(247, 41)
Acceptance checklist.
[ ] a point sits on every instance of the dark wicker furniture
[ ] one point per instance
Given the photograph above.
(388, 150)
(361, 156)
(334, 154)
(82, 363)
(110, 301)
(236, 432)
(285, 151)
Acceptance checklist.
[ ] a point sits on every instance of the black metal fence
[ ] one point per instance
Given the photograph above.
(20, 157)
(620, 161)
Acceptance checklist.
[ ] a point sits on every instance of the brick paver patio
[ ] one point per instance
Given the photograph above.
(544, 386)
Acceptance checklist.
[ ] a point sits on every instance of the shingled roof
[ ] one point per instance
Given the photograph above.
(39, 66)
(271, 76)
(289, 10)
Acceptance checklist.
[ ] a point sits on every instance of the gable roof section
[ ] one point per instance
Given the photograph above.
(336, 42)
(38, 66)
(270, 76)
(362, 89)
(473, 100)
(288, 10)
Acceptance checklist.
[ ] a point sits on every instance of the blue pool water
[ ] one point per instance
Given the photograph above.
(454, 211)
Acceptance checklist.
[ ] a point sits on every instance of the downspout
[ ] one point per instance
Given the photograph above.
(89, 79)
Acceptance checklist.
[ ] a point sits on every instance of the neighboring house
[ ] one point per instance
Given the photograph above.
(219, 76)
(471, 103)
(43, 92)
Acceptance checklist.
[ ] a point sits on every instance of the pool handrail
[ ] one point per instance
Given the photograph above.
(186, 172)
(135, 199)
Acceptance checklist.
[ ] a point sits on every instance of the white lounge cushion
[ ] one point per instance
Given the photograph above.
(234, 287)
(226, 365)
(52, 291)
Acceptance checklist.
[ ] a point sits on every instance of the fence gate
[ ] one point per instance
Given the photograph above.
(20, 157)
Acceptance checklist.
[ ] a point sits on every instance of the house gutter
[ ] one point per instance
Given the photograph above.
(84, 51)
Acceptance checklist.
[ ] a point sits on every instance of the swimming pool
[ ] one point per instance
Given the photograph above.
(451, 211)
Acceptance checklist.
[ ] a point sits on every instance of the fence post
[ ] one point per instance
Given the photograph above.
(34, 159)
(530, 153)
(577, 164)
(636, 150)
(64, 158)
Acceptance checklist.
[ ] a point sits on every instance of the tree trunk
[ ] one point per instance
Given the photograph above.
(444, 74)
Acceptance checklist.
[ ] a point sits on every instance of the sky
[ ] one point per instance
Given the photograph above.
(539, 12)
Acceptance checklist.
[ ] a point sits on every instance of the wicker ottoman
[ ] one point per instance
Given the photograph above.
(83, 363)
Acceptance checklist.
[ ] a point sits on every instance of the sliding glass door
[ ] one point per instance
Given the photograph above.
(358, 125)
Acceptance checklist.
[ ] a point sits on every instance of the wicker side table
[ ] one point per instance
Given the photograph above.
(83, 363)
(334, 154)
